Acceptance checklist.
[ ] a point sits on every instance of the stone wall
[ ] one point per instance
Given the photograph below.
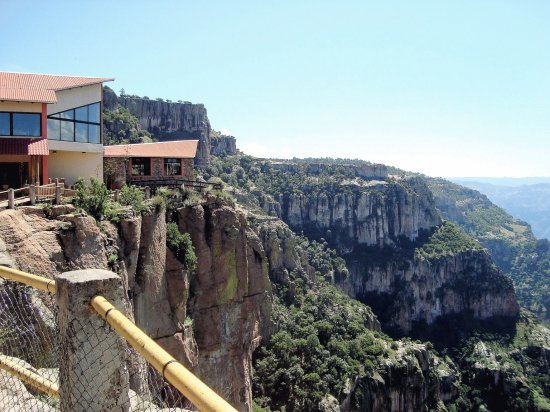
(117, 171)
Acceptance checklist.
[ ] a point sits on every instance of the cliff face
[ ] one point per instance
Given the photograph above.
(408, 291)
(376, 225)
(210, 322)
(167, 120)
(227, 293)
(372, 213)
(223, 146)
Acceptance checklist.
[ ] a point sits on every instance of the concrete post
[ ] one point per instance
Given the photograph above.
(11, 199)
(147, 192)
(92, 375)
(117, 193)
(32, 194)
(57, 194)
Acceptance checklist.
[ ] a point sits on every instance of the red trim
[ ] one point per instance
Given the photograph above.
(44, 170)
(44, 120)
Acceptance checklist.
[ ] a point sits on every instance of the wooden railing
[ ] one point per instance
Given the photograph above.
(175, 183)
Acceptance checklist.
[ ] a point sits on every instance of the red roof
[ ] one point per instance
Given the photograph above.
(174, 149)
(41, 88)
(23, 146)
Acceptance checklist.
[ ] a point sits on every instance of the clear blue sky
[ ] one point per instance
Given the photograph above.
(448, 88)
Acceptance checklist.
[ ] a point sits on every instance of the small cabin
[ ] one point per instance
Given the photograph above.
(149, 163)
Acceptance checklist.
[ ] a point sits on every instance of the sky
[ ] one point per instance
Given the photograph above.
(446, 88)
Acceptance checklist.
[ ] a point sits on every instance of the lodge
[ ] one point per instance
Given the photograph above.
(50, 127)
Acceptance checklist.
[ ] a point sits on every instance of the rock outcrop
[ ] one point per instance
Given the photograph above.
(223, 146)
(227, 292)
(404, 292)
(168, 120)
(368, 213)
(209, 321)
(413, 380)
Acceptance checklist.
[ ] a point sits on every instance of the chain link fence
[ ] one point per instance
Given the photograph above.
(29, 342)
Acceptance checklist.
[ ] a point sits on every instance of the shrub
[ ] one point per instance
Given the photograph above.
(132, 196)
(182, 246)
(94, 199)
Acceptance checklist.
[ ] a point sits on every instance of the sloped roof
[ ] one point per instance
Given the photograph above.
(172, 149)
(40, 88)
(24, 146)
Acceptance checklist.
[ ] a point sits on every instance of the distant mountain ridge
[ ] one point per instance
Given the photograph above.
(528, 202)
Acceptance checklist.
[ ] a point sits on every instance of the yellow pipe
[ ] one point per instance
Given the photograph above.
(39, 282)
(28, 376)
(188, 384)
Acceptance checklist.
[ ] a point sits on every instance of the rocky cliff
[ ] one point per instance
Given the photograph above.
(168, 120)
(363, 212)
(377, 221)
(210, 321)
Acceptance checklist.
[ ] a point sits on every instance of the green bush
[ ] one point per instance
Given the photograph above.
(132, 196)
(182, 246)
(94, 199)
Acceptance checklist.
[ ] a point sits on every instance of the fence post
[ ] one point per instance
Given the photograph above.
(147, 192)
(93, 375)
(32, 194)
(57, 194)
(11, 198)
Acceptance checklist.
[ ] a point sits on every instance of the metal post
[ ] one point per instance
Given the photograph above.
(11, 198)
(32, 194)
(93, 375)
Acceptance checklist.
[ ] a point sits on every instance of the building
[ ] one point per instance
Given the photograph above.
(136, 163)
(50, 127)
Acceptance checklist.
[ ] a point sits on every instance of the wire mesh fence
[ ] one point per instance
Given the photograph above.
(29, 339)
(28, 344)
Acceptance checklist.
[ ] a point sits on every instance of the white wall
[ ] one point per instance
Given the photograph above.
(76, 97)
(71, 165)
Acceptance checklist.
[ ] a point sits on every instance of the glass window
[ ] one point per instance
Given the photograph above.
(93, 113)
(4, 124)
(26, 124)
(54, 129)
(69, 114)
(93, 133)
(67, 131)
(172, 167)
(81, 114)
(141, 166)
(81, 132)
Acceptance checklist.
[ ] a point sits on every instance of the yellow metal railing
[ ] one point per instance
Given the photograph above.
(188, 384)
(201, 395)
(38, 282)
(28, 376)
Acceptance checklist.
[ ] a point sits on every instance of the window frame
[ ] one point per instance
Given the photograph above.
(56, 116)
(23, 135)
(164, 159)
(132, 167)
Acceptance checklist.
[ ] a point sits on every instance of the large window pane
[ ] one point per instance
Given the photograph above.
(172, 167)
(141, 166)
(67, 131)
(54, 129)
(93, 133)
(26, 124)
(93, 113)
(81, 134)
(81, 114)
(69, 114)
(4, 124)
